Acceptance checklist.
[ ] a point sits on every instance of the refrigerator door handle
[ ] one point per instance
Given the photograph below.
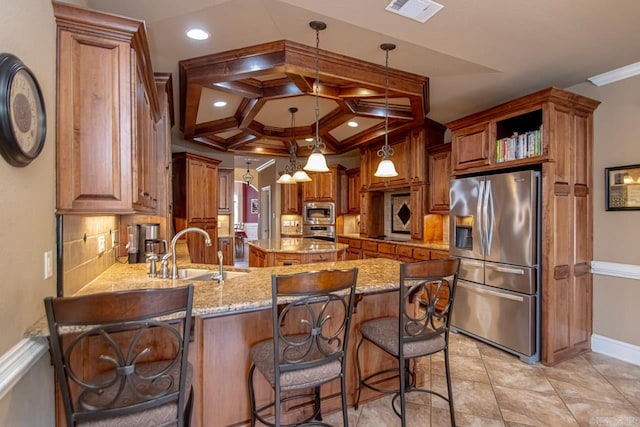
(505, 269)
(476, 288)
(488, 216)
(480, 216)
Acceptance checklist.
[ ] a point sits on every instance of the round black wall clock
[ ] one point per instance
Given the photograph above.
(23, 121)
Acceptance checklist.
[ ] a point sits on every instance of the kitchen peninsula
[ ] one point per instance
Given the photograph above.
(232, 317)
(293, 251)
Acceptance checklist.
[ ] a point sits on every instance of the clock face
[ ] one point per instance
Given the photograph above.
(25, 107)
(23, 122)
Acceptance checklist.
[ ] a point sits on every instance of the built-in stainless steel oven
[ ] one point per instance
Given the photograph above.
(318, 213)
(323, 232)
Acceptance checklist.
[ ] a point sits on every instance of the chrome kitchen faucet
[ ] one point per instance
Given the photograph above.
(172, 254)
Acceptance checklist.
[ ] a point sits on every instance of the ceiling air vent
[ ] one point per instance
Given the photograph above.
(418, 10)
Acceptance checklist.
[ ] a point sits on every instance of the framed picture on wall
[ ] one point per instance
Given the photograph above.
(622, 188)
(254, 206)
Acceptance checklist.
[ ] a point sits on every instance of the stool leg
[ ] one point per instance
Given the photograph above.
(404, 372)
(252, 398)
(317, 403)
(359, 372)
(343, 387)
(447, 369)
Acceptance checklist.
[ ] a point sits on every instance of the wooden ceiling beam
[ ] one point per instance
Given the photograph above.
(247, 111)
(240, 88)
(215, 126)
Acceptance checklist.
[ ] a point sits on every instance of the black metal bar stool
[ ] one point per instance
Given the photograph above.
(120, 358)
(427, 291)
(311, 321)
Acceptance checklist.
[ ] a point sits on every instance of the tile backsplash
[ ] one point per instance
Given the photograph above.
(82, 262)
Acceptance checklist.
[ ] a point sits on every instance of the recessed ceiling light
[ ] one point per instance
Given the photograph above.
(352, 124)
(197, 34)
(220, 104)
(309, 139)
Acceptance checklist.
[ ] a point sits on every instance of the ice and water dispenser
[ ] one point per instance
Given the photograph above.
(144, 239)
(463, 232)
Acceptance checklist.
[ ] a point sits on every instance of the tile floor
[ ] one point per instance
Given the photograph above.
(494, 388)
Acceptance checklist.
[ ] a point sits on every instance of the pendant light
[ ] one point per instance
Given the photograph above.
(299, 175)
(317, 161)
(386, 168)
(247, 177)
(293, 173)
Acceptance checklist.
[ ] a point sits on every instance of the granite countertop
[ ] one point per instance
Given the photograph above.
(244, 292)
(444, 246)
(297, 245)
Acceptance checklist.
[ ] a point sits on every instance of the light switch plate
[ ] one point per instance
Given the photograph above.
(48, 264)
(102, 244)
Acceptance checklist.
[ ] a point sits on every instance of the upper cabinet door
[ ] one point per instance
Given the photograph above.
(225, 191)
(106, 108)
(471, 147)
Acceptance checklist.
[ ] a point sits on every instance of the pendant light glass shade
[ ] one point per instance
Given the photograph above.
(317, 161)
(386, 168)
(285, 178)
(301, 176)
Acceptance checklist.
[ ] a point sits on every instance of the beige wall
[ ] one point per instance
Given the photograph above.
(616, 234)
(27, 202)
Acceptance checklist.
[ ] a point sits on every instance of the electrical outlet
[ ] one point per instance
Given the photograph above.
(102, 244)
(48, 264)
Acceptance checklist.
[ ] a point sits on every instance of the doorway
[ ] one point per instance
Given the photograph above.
(265, 215)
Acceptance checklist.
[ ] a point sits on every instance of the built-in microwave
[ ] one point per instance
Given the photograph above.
(318, 213)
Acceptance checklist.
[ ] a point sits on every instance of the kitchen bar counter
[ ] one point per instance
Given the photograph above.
(297, 245)
(293, 251)
(443, 246)
(230, 318)
(249, 291)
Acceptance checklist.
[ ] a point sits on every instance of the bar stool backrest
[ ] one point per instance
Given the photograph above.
(427, 292)
(119, 353)
(322, 304)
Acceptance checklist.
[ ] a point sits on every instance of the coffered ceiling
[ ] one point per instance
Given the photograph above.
(259, 84)
(475, 54)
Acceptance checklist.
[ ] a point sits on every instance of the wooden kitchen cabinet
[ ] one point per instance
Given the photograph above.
(439, 254)
(162, 134)
(371, 215)
(439, 159)
(225, 191)
(323, 186)
(353, 191)
(565, 122)
(291, 199)
(107, 107)
(401, 160)
(145, 194)
(471, 147)
(195, 202)
(417, 204)
(225, 244)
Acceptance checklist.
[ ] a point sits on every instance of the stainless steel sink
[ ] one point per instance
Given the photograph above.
(203, 274)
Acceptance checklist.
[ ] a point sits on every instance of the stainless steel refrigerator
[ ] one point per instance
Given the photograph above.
(495, 231)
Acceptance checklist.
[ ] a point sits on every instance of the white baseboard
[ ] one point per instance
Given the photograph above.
(15, 363)
(618, 349)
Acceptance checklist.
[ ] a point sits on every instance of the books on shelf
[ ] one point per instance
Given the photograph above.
(519, 146)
